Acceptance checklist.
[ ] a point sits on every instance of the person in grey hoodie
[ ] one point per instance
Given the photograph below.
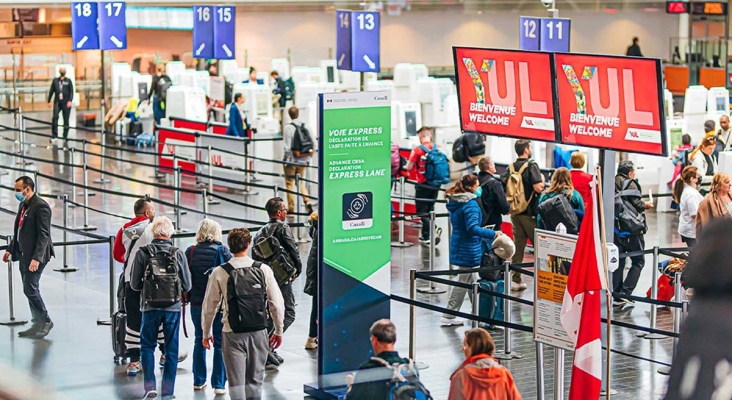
(466, 247)
(162, 229)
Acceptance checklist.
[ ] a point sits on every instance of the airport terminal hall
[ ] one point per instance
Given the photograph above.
(365, 200)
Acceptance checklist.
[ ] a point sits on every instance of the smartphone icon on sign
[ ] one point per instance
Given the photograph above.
(358, 212)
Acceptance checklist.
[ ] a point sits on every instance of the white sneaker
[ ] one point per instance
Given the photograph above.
(517, 287)
(151, 394)
(199, 387)
(133, 368)
(444, 321)
(219, 391)
(311, 343)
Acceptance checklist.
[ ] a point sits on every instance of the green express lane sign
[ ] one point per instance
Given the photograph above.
(355, 218)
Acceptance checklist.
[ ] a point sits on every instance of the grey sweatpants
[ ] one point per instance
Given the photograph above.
(245, 355)
(457, 296)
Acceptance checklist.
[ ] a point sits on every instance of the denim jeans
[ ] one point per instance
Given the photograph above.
(218, 375)
(151, 321)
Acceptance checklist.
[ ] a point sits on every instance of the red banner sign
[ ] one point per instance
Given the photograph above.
(611, 103)
(175, 141)
(505, 92)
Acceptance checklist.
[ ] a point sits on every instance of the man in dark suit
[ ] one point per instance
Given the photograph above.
(32, 246)
(60, 96)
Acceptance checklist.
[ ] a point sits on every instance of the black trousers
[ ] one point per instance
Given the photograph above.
(313, 331)
(60, 107)
(289, 297)
(690, 242)
(32, 291)
(425, 206)
(626, 245)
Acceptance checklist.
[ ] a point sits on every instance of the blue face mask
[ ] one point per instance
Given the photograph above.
(479, 191)
(19, 196)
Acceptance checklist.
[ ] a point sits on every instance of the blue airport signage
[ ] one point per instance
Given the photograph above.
(555, 34)
(203, 31)
(358, 40)
(343, 39)
(84, 33)
(224, 32)
(112, 25)
(529, 31)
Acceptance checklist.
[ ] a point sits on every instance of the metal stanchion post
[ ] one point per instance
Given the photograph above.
(86, 194)
(475, 291)
(654, 296)
(204, 192)
(558, 373)
(84, 160)
(178, 211)
(35, 179)
(101, 179)
(177, 183)
(112, 294)
(401, 242)
(73, 176)
(432, 289)
(211, 200)
(11, 321)
(540, 371)
(276, 190)
(507, 354)
(413, 321)
(66, 267)
(298, 207)
(678, 290)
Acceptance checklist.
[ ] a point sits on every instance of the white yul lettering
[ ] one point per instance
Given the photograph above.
(528, 105)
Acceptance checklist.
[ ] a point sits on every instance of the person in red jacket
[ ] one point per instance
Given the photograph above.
(580, 179)
(480, 376)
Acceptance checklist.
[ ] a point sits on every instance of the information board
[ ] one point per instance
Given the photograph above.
(179, 142)
(355, 219)
(505, 92)
(554, 253)
(610, 102)
(84, 32)
(358, 40)
(224, 32)
(112, 25)
(203, 42)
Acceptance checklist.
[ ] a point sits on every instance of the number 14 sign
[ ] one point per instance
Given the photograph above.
(545, 34)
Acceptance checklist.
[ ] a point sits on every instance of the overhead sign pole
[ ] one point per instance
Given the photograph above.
(355, 241)
(112, 36)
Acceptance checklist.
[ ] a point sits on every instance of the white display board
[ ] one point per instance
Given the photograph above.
(718, 101)
(553, 258)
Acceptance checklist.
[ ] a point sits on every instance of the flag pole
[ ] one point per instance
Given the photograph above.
(608, 301)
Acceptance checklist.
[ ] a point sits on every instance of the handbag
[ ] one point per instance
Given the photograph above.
(491, 267)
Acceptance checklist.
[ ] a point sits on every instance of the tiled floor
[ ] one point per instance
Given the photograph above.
(76, 360)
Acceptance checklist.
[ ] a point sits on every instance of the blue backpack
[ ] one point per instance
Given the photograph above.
(437, 168)
(405, 384)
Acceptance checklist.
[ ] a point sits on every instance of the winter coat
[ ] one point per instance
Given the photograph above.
(311, 273)
(493, 200)
(204, 259)
(465, 242)
(481, 377)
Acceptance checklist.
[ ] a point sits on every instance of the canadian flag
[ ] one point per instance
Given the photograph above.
(580, 315)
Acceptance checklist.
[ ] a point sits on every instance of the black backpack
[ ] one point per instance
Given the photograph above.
(558, 209)
(459, 153)
(246, 298)
(628, 220)
(268, 249)
(162, 91)
(474, 144)
(491, 267)
(302, 143)
(161, 285)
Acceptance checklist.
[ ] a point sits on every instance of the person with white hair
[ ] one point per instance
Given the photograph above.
(160, 271)
(207, 254)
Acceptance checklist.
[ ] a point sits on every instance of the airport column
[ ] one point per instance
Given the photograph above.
(355, 236)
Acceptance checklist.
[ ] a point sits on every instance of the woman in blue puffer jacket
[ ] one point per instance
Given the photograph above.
(466, 248)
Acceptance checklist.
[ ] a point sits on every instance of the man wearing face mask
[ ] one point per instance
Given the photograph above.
(130, 238)
(238, 125)
(32, 246)
(59, 99)
(159, 87)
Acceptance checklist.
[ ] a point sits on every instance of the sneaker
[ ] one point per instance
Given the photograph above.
(272, 361)
(424, 242)
(133, 368)
(151, 394)
(44, 330)
(438, 234)
(181, 357)
(311, 343)
(444, 321)
(219, 391)
(277, 356)
(30, 332)
(201, 387)
(518, 286)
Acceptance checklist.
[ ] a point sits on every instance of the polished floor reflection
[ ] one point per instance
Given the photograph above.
(76, 359)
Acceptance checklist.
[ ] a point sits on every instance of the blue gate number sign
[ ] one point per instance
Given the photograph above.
(224, 32)
(84, 34)
(358, 41)
(555, 34)
(365, 41)
(203, 26)
(529, 31)
(343, 39)
(112, 26)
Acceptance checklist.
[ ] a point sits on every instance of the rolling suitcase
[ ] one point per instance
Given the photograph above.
(491, 306)
(135, 131)
(119, 327)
